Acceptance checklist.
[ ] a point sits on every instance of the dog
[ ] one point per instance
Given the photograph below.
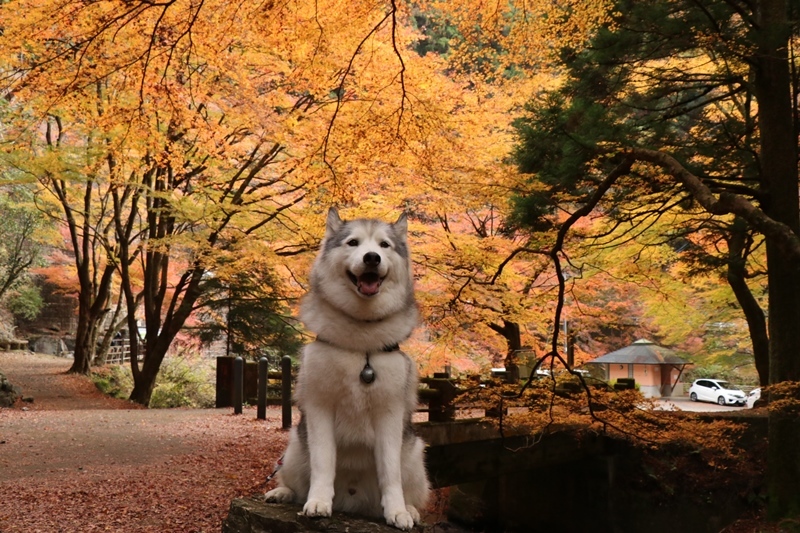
(355, 449)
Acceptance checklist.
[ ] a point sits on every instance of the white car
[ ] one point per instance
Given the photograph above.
(717, 391)
(753, 397)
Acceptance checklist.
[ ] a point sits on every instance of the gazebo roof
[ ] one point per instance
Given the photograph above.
(641, 352)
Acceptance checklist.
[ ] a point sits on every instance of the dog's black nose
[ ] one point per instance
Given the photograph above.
(372, 259)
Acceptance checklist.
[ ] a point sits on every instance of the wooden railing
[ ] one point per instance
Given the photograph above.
(119, 352)
(437, 396)
(16, 344)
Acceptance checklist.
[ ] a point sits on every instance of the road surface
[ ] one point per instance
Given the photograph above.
(683, 403)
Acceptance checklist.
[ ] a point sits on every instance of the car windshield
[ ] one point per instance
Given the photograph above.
(722, 384)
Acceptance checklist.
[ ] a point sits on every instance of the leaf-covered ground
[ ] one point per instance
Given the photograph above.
(75, 460)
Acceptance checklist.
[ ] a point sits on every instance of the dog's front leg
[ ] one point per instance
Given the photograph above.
(388, 447)
(322, 452)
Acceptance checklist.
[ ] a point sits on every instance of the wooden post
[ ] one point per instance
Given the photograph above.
(224, 382)
(441, 406)
(262, 389)
(238, 385)
(286, 391)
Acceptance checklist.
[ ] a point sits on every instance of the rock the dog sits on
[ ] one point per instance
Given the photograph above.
(355, 449)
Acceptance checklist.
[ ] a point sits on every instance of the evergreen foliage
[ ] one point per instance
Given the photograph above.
(653, 78)
(695, 105)
(21, 248)
(248, 310)
(661, 75)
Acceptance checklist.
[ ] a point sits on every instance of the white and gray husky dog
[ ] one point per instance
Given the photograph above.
(354, 449)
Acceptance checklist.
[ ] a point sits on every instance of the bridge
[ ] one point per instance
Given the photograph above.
(465, 451)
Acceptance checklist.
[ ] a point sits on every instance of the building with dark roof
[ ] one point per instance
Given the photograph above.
(656, 369)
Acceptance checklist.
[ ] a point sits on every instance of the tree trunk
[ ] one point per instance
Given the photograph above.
(114, 325)
(161, 332)
(779, 175)
(510, 331)
(91, 308)
(156, 347)
(82, 358)
(756, 321)
(145, 381)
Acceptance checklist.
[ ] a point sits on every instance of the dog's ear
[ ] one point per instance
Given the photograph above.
(333, 223)
(401, 226)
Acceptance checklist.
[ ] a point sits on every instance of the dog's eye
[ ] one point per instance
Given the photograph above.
(385, 244)
(352, 242)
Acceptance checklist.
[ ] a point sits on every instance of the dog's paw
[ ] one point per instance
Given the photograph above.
(400, 519)
(280, 495)
(414, 514)
(317, 508)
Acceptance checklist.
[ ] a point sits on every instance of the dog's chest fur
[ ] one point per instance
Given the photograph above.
(329, 380)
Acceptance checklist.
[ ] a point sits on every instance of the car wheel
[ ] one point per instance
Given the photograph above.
(693, 396)
(721, 400)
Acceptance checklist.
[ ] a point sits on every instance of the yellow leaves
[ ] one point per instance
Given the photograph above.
(498, 38)
(186, 92)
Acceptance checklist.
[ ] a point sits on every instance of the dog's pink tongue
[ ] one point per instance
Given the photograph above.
(368, 287)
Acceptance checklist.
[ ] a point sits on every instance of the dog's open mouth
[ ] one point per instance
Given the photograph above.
(368, 283)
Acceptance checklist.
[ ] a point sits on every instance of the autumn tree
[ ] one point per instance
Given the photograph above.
(167, 199)
(202, 114)
(75, 196)
(204, 132)
(689, 107)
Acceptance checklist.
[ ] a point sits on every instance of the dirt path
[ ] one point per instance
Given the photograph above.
(75, 460)
(44, 378)
(116, 432)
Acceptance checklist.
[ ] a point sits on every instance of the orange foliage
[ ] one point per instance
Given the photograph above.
(552, 403)
(345, 109)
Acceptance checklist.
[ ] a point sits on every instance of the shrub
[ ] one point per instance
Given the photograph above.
(115, 381)
(182, 382)
(614, 382)
(25, 302)
(718, 371)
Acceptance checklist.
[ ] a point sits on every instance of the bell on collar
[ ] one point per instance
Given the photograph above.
(367, 374)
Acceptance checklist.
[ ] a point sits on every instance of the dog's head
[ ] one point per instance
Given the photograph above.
(366, 253)
(363, 267)
(363, 272)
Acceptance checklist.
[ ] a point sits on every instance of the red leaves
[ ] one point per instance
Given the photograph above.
(134, 485)
(79, 461)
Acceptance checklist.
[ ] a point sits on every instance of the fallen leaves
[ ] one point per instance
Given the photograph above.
(187, 492)
(78, 461)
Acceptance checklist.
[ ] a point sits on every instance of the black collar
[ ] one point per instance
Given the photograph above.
(387, 348)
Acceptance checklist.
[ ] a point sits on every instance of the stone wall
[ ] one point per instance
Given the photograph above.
(59, 316)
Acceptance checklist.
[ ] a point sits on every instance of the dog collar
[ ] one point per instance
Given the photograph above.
(387, 348)
(367, 375)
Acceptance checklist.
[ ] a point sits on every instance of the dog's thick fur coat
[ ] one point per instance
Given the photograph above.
(354, 449)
